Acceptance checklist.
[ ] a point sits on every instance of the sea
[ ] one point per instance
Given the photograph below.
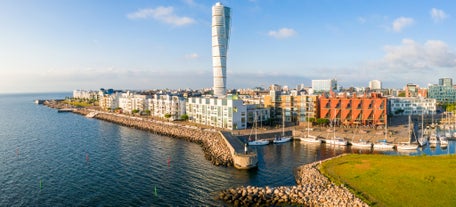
(64, 159)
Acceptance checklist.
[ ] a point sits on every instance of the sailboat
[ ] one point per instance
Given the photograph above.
(361, 143)
(422, 140)
(256, 141)
(408, 145)
(308, 137)
(384, 144)
(283, 138)
(336, 140)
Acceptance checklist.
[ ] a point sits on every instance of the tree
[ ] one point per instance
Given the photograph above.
(401, 94)
(167, 116)
(184, 117)
(322, 121)
(451, 107)
(147, 112)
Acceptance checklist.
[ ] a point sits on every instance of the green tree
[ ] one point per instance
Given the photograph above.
(401, 94)
(167, 116)
(184, 117)
(451, 108)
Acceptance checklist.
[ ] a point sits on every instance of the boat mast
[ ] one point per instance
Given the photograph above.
(283, 122)
(256, 125)
(409, 130)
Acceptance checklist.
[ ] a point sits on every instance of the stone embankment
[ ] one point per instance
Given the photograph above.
(312, 189)
(214, 147)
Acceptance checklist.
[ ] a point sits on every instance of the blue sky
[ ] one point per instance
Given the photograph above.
(55, 45)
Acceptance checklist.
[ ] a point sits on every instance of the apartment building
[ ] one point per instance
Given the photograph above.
(404, 106)
(228, 112)
(352, 110)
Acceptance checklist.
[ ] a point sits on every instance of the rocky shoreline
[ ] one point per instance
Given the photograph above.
(312, 189)
(214, 147)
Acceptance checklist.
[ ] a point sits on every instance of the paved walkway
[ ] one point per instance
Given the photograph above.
(235, 142)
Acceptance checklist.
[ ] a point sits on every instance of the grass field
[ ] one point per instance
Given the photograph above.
(397, 180)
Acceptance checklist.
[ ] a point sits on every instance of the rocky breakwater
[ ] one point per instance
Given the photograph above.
(213, 145)
(312, 189)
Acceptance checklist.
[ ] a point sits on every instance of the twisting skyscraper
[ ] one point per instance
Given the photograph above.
(220, 36)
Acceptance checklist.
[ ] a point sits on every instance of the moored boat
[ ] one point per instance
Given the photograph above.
(361, 143)
(383, 144)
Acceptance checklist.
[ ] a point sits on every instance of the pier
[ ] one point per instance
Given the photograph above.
(243, 157)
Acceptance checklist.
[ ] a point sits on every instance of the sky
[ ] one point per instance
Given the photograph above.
(63, 45)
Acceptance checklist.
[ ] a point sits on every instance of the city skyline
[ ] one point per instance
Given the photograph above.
(60, 46)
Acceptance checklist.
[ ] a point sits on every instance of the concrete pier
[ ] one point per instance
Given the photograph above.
(243, 157)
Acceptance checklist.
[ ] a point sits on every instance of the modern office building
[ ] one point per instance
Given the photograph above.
(404, 106)
(446, 82)
(324, 85)
(221, 23)
(375, 85)
(444, 92)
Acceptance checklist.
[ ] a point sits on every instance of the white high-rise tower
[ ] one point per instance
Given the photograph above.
(220, 35)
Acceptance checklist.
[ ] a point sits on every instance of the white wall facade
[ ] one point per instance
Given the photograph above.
(221, 22)
(412, 106)
(160, 105)
(225, 113)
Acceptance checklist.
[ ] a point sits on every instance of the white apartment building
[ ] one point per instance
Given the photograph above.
(411, 106)
(228, 112)
(375, 85)
(162, 104)
(84, 94)
(129, 101)
(324, 85)
(109, 101)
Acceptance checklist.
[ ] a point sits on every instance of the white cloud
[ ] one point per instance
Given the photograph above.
(189, 2)
(282, 33)
(162, 14)
(401, 22)
(438, 15)
(410, 55)
(191, 56)
(362, 20)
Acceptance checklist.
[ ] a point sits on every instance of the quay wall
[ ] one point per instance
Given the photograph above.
(213, 145)
(246, 160)
(312, 189)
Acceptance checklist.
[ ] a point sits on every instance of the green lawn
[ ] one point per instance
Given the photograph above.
(383, 180)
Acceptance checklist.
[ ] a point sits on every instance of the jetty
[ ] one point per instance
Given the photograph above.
(65, 110)
(243, 157)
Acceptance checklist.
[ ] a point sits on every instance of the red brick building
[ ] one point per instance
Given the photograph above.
(364, 110)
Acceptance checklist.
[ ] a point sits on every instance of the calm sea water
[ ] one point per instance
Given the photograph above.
(63, 159)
